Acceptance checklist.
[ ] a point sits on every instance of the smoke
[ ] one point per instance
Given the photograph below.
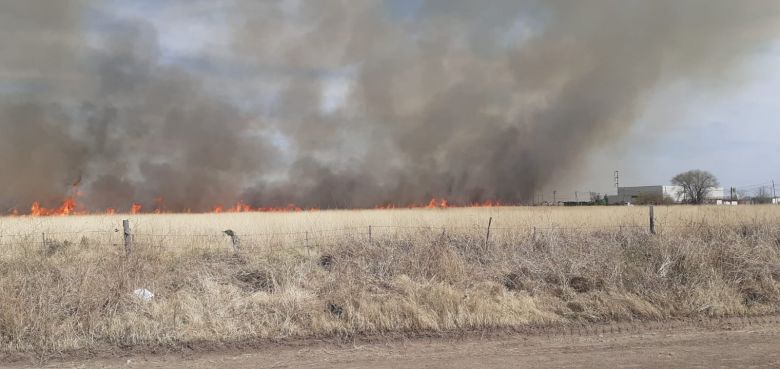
(339, 103)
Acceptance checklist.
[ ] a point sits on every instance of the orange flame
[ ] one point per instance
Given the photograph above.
(69, 206)
(435, 204)
(240, 207)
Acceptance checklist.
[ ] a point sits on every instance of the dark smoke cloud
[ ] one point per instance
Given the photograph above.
(464, 100)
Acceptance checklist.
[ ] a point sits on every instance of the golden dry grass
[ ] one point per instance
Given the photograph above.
(422, 271)
(174, 231)
(453, 217)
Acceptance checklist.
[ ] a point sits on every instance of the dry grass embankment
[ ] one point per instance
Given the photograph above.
(75, 291)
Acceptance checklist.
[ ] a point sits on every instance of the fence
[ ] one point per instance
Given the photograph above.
(124, 238)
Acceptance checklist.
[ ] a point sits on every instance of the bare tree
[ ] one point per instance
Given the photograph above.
(763, 195)
(696, 185)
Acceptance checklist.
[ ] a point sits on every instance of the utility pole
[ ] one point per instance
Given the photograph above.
(774, 194)
(555, 202)
(576, 198)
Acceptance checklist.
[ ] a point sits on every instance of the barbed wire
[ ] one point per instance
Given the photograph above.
(315, 236)
(56, 233)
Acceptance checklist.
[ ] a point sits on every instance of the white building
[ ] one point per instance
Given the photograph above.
(629, 195)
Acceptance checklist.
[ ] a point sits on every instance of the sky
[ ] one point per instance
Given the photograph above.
(731, 131)
(339, 103)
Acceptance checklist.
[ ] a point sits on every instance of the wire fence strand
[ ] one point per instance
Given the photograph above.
(309, 238)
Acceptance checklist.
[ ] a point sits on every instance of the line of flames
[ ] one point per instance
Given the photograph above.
(70, 206)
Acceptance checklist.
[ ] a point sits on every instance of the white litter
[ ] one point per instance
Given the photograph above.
(144, 294)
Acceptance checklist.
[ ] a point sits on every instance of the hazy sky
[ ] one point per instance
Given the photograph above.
(733, 132)
(729, 129)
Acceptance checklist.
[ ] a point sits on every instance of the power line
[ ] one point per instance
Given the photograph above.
(765, 184)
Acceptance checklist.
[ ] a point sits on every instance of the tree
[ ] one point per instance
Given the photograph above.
(696, 185)
(763, 195)
(597, 199)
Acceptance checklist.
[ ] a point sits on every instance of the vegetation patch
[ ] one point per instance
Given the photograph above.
(87, 294)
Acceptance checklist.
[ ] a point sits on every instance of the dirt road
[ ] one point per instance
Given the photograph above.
(749, 345)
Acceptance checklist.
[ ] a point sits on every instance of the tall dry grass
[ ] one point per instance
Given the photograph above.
(263, 230)
(74, 291)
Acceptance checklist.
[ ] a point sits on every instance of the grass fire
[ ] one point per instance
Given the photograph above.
(209, 177)
(70, 206)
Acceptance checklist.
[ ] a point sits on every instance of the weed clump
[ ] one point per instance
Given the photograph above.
(580, 284)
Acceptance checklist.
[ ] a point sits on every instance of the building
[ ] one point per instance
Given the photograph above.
(657, 194)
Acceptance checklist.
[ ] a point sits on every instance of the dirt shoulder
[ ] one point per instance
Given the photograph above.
(714, 343)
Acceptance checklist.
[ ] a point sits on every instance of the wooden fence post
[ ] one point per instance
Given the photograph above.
(652, 220)
(369, 233)
(128, 237)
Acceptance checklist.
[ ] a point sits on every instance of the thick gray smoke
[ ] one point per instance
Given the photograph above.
(339, 103)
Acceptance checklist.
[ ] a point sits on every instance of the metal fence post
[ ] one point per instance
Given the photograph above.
(487, 236)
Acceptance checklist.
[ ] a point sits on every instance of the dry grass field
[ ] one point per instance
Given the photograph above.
(66, 283)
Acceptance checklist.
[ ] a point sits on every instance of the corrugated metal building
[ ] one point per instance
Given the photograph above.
(629, 195)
